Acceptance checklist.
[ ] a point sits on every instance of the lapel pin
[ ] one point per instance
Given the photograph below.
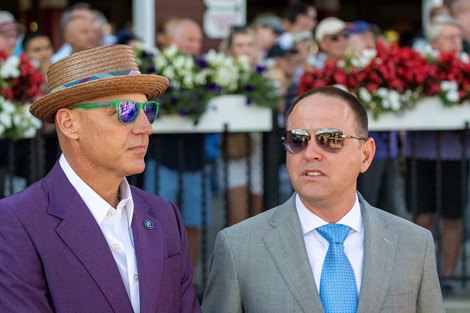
(149, 224)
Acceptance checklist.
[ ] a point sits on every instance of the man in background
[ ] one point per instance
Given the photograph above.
(77, 25)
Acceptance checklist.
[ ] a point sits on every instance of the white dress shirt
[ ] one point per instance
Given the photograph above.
(317, 246)
(115, 223)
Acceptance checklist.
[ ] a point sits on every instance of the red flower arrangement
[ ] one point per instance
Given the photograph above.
(20, 85)
(393, 78)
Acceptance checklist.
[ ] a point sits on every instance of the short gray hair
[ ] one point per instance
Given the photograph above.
(437, 23)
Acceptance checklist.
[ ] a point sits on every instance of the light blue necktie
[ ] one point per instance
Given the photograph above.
(338, 291)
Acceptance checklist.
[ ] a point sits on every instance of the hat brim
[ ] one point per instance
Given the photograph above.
(150, 85)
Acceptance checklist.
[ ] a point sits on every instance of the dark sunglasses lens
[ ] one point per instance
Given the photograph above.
(330, 139)
(296, 140)
(339, 36)
(128, 111)
(151, 111)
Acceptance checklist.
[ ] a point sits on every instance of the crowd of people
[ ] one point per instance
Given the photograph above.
(393, 169)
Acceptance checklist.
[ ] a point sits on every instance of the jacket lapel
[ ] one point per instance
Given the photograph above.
(285, 244)
(83, 236)
(379, 254)
(148, 244)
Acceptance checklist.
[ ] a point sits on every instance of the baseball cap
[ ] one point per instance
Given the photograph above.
(278, 51)
(8, 22)
(270, 21)
(360, 26)
(302, 36)
(329, 26)
(124, 36)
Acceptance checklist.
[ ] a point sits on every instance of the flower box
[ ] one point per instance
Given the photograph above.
(428, 114)
(229, 111)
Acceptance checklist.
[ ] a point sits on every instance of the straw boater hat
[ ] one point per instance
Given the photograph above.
(93, 73)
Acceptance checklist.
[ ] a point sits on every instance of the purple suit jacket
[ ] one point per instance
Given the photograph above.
(54, 257)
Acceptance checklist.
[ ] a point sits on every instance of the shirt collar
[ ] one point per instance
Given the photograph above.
(97, 205)
(311, 221)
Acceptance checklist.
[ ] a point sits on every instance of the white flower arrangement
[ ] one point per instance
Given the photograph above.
(194, 81)
(15, 120)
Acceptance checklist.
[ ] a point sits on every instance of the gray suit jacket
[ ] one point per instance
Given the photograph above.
(261, 266)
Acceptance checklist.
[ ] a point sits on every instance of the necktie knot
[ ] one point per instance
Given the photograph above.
(334, 233)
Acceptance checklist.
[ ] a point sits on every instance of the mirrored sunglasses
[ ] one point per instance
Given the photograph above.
(127, 110)
(329, 139)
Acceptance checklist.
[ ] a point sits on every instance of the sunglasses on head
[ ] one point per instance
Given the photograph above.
(127, 110)
(329, 139)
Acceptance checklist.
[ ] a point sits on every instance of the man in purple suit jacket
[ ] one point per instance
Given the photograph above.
(82, 239)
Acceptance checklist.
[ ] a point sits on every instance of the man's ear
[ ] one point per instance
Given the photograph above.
(368, 152)
(67, 123)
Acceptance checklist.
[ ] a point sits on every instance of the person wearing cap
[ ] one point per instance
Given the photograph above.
(9, 32)
(281, 68)
(127, 37)
(304, 43)
(83, 239)
(331, 36)
(267, 28)
(361, 36)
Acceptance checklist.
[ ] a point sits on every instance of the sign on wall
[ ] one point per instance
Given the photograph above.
(220, 15)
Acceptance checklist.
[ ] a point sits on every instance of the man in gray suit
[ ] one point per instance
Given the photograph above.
(274, 261)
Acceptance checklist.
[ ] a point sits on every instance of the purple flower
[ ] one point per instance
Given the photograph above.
(201, 63)
(214, 87)
(260, 69)
(249, 88)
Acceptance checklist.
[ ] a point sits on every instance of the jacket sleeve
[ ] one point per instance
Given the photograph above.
(23, 287)
(223, 292)
(429, 295)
